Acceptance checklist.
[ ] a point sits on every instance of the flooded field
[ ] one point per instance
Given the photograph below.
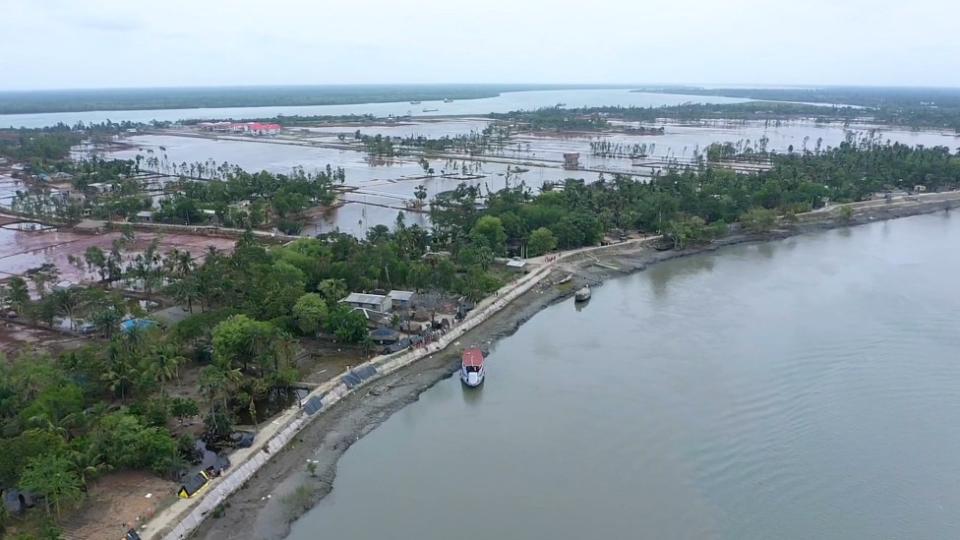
(22, 250)
(430, 128)
(385, 186)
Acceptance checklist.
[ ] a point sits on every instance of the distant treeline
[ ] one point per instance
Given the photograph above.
(294, 120)
(253, 96)
(912, 107)
(595, 118)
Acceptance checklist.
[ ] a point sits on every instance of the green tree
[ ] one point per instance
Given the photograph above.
(333, 290)
(310, 312)
(14, 452)
(183, 408)
(53, 477)
(125, 442)
(348, 326)
(685, 230)
(541, 241)
(240, 341)
(759, 220)
(66, 302)
(421, 191)
(18, 294)
(163, 364)
(96, 258)
(846, 214)
(490, 230)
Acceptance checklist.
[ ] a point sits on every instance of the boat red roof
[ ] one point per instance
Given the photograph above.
(472, 358)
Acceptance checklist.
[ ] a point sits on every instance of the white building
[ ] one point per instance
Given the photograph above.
(517, 265)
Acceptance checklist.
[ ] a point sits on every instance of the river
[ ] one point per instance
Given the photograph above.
(505, 102)
(805, 388)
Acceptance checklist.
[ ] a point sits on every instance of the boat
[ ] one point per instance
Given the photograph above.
(414, 102)
(471, 367)
(583, 294)
(431, 110)
(447, 100)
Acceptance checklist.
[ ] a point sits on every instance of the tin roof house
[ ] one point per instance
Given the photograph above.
(372, 302)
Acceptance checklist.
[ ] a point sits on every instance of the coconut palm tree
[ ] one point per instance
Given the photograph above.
(67, 301)
(164, 365)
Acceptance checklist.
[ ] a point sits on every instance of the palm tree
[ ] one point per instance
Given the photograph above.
(67, 301)
(220, 383)
(18, 295)
(165, 362)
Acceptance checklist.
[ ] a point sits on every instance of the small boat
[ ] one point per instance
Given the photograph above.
(583, 294)
(414, 102)
(565, 280)
(447, 100)
(471, 367)
(431, 110)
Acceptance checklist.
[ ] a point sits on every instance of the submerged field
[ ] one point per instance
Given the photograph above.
(385, 186)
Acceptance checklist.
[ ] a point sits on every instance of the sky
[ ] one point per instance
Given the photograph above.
(53, 44)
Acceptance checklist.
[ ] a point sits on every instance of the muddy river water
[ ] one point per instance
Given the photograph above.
(805, 388)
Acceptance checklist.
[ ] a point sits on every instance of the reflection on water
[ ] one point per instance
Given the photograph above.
(660, 276)
(472, 396)
(807, 392)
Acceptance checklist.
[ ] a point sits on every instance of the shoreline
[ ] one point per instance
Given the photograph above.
(265, 508)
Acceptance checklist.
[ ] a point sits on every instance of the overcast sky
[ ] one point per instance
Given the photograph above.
(116, 43)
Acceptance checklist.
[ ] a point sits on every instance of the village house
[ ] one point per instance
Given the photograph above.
(100, 187)
(373, 302)
(253, 128)
(517, 265)
(402, 299)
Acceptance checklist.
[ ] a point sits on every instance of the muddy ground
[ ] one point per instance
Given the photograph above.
(22, 250)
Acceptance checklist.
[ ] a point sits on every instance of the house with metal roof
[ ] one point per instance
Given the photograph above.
(402, 299)
(373, 302)
(517, 265)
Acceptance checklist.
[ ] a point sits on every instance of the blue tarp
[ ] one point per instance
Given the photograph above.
(137, 324)
(351, 379)
(384, 335)
(313, 405)
(365, 372)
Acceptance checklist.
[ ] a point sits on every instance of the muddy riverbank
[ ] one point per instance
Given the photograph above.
(284, 489)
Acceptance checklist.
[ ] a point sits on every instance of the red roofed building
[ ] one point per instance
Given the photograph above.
(258, 128)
